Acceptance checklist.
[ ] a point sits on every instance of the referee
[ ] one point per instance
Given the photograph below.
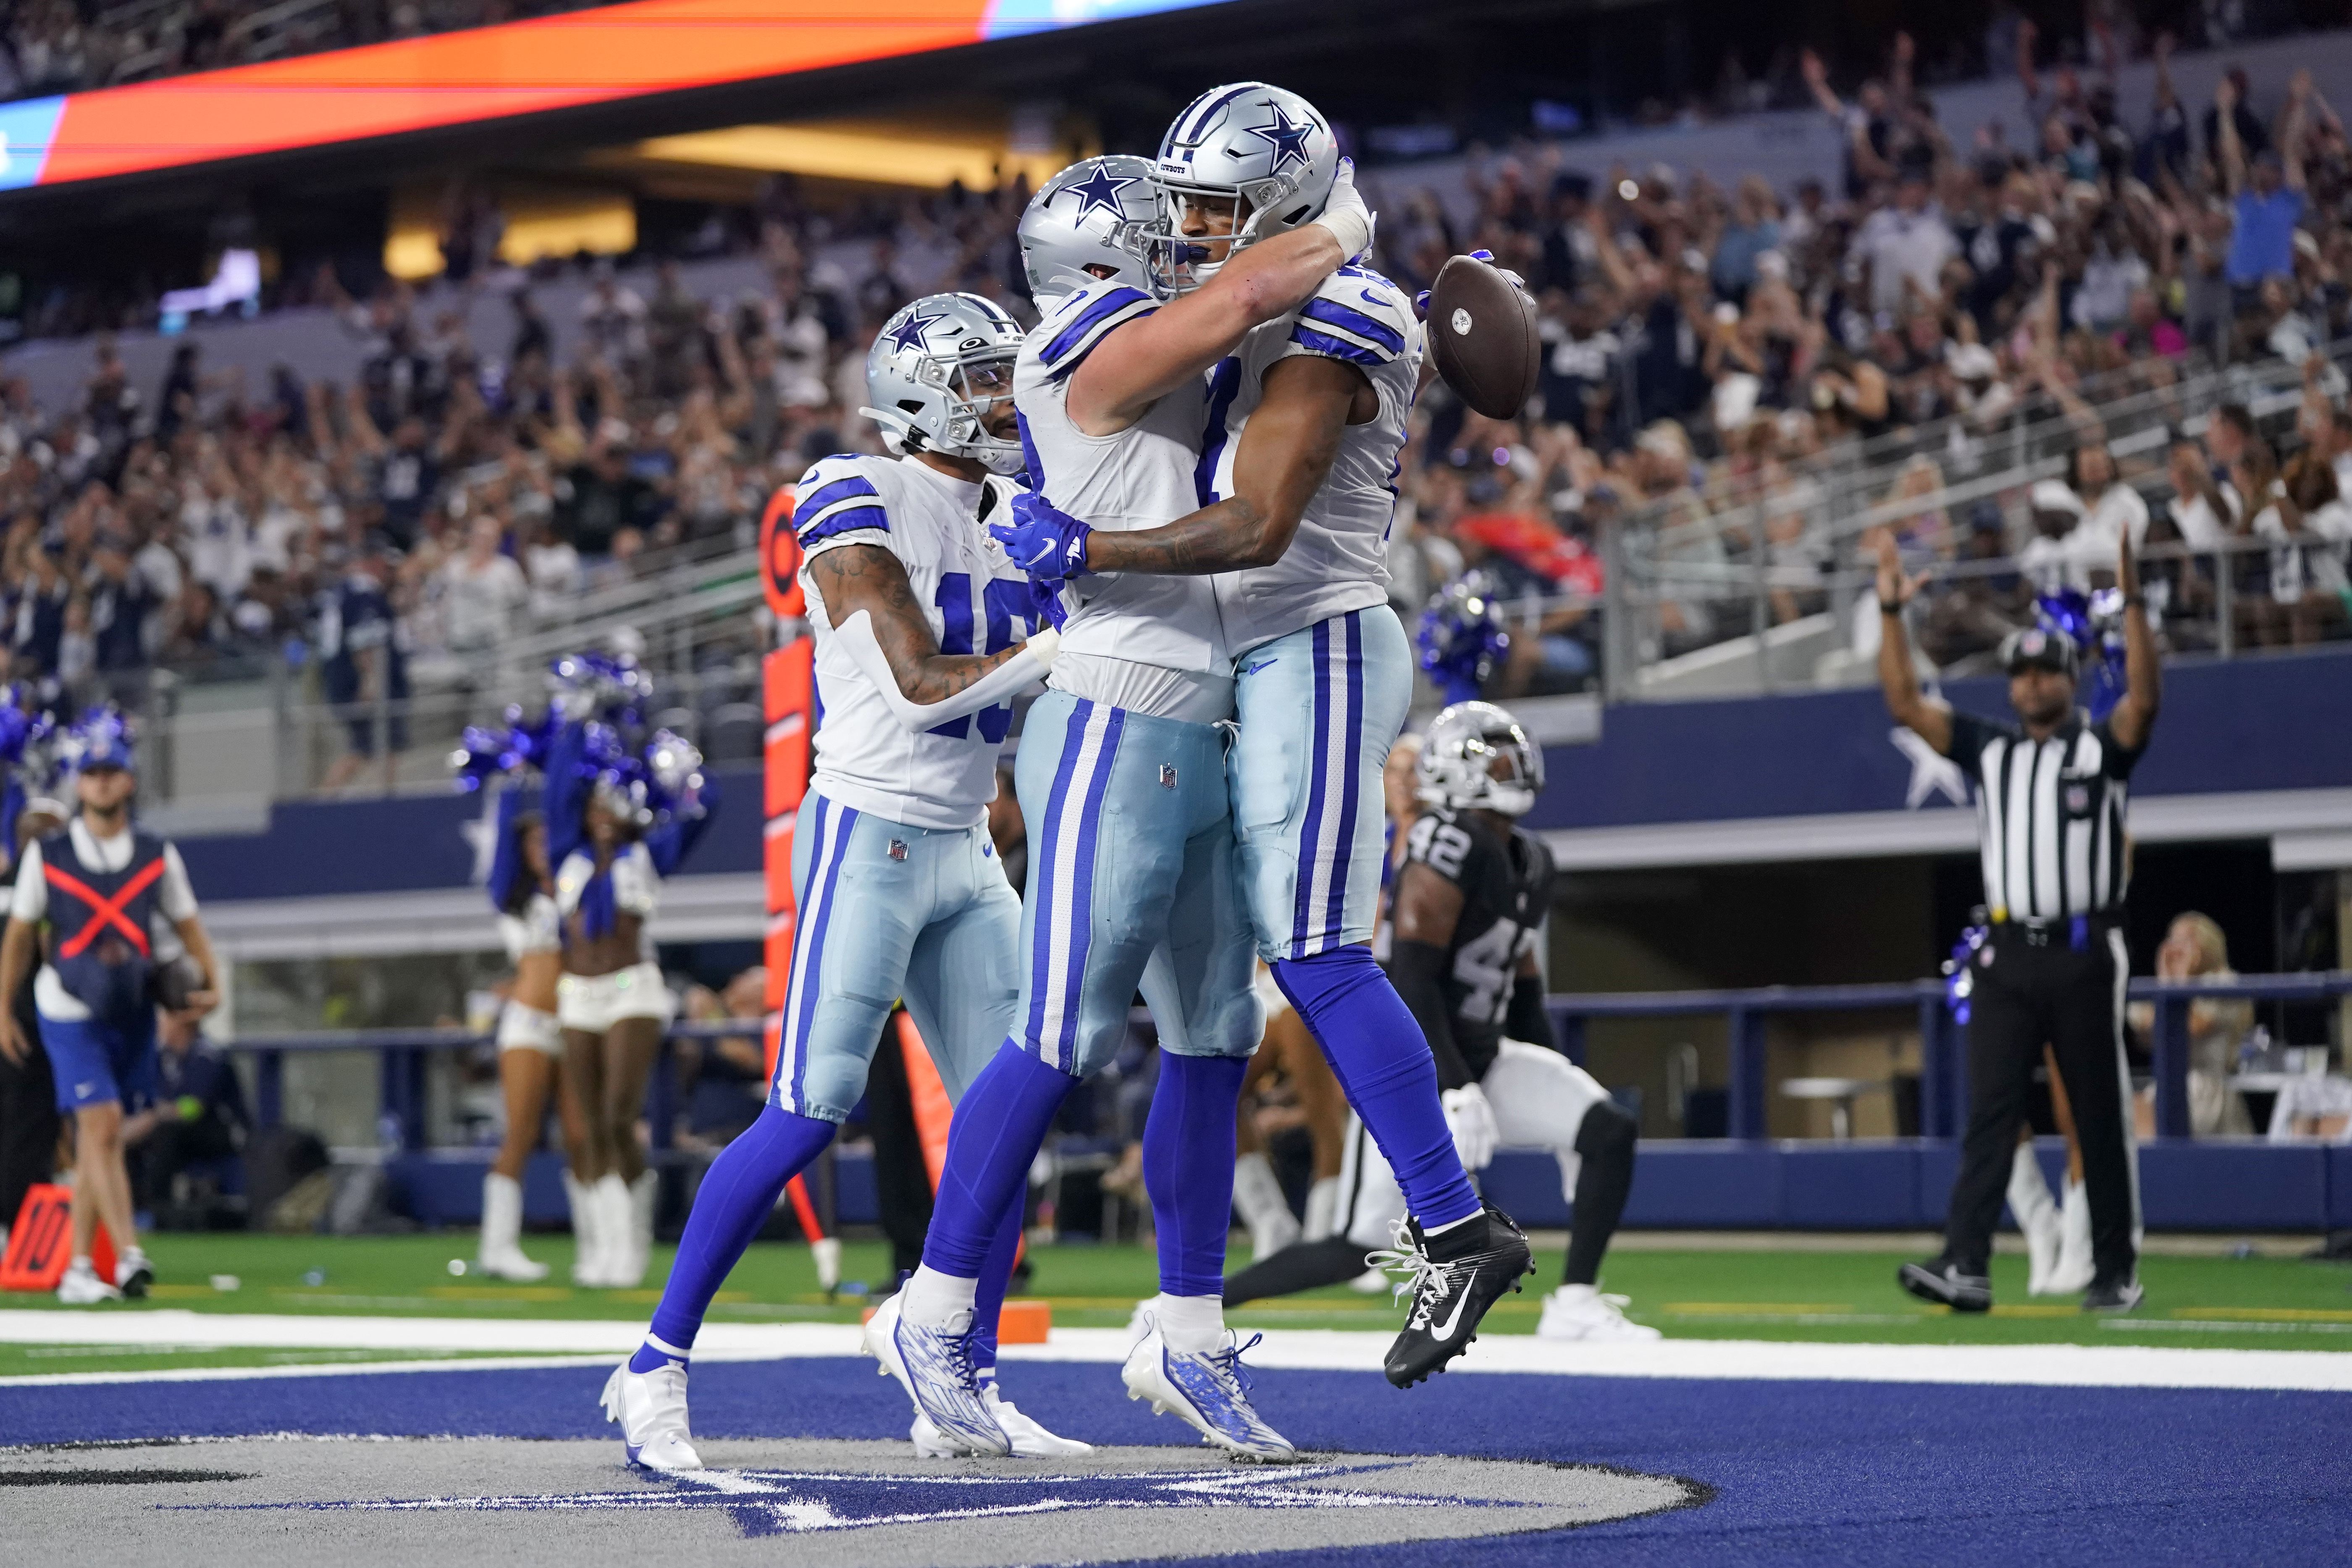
(2050, 793)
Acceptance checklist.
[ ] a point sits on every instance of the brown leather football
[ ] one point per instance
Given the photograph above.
(1482, 332)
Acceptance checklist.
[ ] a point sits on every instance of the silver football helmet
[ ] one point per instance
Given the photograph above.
(937, 369)
(1477, 758)
(1264, 148)
(1087, 216)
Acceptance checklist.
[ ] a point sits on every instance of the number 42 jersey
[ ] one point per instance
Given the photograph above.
(1505, 882)
(975, 600)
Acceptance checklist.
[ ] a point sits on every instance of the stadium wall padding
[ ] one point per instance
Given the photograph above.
(2226, 728)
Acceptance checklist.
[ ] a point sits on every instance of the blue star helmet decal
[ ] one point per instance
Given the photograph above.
(1287, 136)
(907, 335)
(1101, 189)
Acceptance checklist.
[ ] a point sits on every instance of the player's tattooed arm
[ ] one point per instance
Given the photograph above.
(854, 578)
(1286, 452)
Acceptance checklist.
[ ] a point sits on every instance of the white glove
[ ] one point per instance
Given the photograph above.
(1471, 1120)
(1346, 215)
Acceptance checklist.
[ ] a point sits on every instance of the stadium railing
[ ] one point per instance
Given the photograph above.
(1943, 1077)
(1757, 617)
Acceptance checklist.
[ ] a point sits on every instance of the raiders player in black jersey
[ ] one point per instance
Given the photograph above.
(1464, 914)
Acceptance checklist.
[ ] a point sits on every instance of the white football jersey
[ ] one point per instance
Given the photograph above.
(1143, 477)
(1337, 561)
(975, 600)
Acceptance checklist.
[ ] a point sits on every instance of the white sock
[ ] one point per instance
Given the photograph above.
(930, 1300)
(80, 1262)
(1195, 1325)
(1441, 1229)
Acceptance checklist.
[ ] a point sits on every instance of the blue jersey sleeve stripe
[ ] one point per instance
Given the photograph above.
(1331, 313)
(865, 519)
(1098, 312)
(1337, 348)
(827, 494)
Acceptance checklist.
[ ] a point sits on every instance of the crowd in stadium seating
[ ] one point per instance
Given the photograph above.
(1710, 348)
(58, 46)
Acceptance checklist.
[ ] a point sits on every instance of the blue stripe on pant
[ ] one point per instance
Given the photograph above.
(1131, 887)
(1306, 796)
(936, 928)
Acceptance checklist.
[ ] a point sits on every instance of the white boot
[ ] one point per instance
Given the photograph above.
(1322, 1210)
(587, 1234)
(826, 1252)
(1258, 1196)
(2037, 1217)
(500, 1255)
(2076, 1267)
(642, 1193)
(610, 1199)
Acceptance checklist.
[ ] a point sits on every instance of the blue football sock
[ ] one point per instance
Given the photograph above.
(997, 1131)
(736, 1199)
(1188, 1168)
(996, 1278)
(1382, 1059)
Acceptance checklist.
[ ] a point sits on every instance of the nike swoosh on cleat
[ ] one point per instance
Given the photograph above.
(1454, 1321)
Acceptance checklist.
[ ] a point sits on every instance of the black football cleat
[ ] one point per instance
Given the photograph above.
(1452, 1280)
(2113, 1296)
(1942, 1282)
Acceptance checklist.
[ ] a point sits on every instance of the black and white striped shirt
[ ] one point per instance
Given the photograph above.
(2049, 816)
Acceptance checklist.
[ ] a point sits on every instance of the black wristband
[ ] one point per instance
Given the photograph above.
(2135, 601)
(1886, 608)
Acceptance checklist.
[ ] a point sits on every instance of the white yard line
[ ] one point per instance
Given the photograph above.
(584, 1342)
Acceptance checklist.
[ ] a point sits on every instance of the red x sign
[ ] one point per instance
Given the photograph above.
(105, 911)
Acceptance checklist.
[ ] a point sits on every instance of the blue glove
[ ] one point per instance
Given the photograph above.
(1043, 542)
(1046, 601)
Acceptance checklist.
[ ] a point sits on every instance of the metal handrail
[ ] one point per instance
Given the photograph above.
(1943, 1063)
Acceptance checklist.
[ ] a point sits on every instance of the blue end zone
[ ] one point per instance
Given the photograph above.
(1804, 1472)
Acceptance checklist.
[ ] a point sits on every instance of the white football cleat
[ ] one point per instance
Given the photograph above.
(1029, 1437)
(936, 1368)
(81, 1287)
(1209, 1392)
(651, 1409)
(1582, 1312)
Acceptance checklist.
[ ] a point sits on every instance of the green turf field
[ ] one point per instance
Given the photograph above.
(1802, 1291)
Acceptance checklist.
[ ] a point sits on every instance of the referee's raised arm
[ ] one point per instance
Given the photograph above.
(1927, 718)
(2134, 719)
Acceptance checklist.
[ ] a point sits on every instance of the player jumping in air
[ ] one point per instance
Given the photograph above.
(1466, 911)
(1133, 882)
(1304, 422)
(924, 631)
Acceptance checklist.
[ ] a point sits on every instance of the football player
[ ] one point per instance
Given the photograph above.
(1466, 911)
(924, 631)
(1306, 421)
(1120, 776)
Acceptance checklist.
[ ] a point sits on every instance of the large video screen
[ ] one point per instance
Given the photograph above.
(597, 56)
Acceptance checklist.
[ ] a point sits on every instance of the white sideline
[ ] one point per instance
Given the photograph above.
(540, 1342)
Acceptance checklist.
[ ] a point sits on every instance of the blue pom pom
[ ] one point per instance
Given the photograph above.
(1461, 636)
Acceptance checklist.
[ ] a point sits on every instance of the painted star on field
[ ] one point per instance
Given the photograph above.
(790, 1502)
(1287, 136)
(1099, 190)
(907, 335)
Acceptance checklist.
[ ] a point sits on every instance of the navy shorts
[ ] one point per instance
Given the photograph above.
(95, 1062)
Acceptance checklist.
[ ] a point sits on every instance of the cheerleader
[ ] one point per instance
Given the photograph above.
(530, 1043)
(611, 1003)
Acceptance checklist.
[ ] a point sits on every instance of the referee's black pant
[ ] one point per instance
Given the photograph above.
(2040, 989)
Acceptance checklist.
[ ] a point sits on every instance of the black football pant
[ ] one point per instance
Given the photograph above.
(28, 1129)
(2034, 993)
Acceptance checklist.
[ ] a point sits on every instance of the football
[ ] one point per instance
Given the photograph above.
(1482, 330)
